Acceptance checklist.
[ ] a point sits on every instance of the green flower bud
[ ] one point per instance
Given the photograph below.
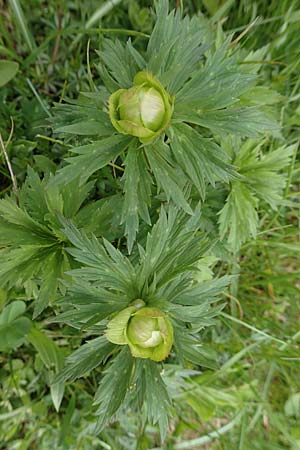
(144, 110)
(147, 331)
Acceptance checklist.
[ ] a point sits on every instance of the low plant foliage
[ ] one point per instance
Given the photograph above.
(132, 228)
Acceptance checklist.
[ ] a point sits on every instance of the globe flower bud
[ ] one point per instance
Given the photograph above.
(147, 331)
(144, 110)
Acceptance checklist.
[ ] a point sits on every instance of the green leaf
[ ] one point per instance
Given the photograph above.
(113, 387)
(33, 197)
(12, 213)
(172, 248)
(261, 172)
(101, 217)
(106, 262)
(8, 70)
(202, 403)
(87, 315)
(13, 326)
(137, 190)
(74, 196)
(20, 264)
(153, 395)
(206, 291)
(130, 210)
(120, 62)
(88, 127)
(261, 179)
(140, 61)
(192, 313)
(84, 116)
(52, 357)
(44, 164)
(242, 121)
(238, 218)
(260, 95)
(174, 45)
(86, 358)
(158, 33)
(54, 272)
(22, 24)
(167, 177)
(200, 159)
(217, 85)
(92, 157)
(190, 348)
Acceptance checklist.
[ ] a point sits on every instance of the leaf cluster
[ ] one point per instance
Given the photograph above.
(162, 274)
(215, 96)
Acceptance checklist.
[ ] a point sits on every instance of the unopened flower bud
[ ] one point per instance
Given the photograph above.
(144, 110)
(147, 331)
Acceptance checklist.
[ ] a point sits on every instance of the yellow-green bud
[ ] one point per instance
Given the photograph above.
(147, 331)
(144, 110)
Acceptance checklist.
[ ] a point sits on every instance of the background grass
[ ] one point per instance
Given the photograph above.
(253, 399)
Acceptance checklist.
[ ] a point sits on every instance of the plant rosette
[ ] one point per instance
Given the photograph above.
(144, 110)
(147, 331)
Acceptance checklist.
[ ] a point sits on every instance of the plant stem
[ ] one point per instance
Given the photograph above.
(11, 172)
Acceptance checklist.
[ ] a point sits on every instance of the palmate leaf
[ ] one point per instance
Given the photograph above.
(200, 316)
(172, 248)
(174, 45)
(260, 95)
(261, 180)
(86, 316)
(103, 260)
(206, 291)
(218, 84)
(20, 220)
(83, 117)
(137, 190)
(113, 387)
(189, 348)
(31, 234)
(39, 198)
(91, 157)
(168, 177)
(196, 305)
(262, 173)
(31, 249)
(162, 275)
(87, 304)
(101, 217)
(54, 271)
(87, 357)
(238, 218)
(152, 395)
(211, 98)
(120, 62)
(201, 159)
(108, 281)
(208, 82)
(21, 264)
(241, 121)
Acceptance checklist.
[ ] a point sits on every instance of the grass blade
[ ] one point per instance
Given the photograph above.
(21, 20)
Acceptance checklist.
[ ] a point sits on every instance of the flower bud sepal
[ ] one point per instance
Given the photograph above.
(147, 331)
(144, 110)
